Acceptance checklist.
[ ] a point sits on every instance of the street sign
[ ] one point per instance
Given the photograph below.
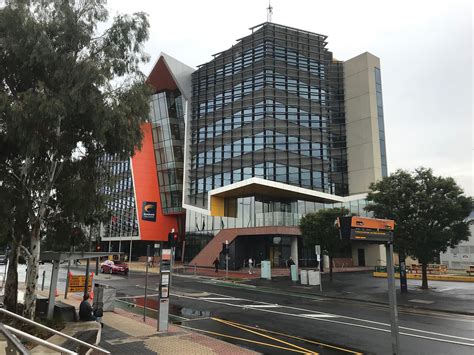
(366, 229)
(77, 283)
(317, 249)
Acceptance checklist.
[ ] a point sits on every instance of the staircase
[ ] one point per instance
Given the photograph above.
(212, 250)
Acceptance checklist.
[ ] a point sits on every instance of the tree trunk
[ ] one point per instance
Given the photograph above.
(330, 268)
(32, 274)
(424, 277)
(11, 285)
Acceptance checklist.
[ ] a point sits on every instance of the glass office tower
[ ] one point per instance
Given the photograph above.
(272, 106)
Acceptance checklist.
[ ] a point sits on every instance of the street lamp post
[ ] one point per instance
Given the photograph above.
(227, 259)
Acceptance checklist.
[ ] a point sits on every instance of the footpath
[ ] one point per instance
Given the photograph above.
(126, 333)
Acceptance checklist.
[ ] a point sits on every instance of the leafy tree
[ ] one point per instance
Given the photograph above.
(319, 229)
(429, 213)
(68, 93)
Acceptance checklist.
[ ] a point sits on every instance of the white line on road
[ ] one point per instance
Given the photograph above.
(221, 298)
(318, 315)
(347, 323)
(260, 306)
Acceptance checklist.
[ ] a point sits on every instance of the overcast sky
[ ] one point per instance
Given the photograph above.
(425, 48)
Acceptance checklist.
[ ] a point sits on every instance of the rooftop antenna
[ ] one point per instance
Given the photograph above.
(269, 12)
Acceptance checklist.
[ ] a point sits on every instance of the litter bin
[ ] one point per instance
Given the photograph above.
(104, 297)
(266, 270)
(304, 277)
(294, 273)
(314, 278)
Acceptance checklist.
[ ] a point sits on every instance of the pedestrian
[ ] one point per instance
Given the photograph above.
(150, 261)
(85, 310)
(290, 262)
(216, 264)
(250, 266)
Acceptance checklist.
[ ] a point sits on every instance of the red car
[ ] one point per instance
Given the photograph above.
(114, 267)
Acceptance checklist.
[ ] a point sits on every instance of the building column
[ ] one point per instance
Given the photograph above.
(294, 249)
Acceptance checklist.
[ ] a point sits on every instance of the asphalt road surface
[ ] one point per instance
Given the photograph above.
(283, 323)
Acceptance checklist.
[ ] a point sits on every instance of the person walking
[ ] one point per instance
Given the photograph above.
(216, 264)
(250, 266)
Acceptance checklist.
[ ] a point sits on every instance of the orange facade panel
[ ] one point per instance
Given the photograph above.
(152, 224)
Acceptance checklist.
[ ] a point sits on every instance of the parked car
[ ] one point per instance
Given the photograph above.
(114, 267)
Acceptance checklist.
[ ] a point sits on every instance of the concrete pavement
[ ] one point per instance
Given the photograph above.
(126, 333)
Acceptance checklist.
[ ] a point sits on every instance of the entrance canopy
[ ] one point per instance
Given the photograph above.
(220, 199)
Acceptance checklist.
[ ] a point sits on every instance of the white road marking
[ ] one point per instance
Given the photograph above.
(260, 306)
(318, 315)
(420, 301)
(221, 298)
(349, 324)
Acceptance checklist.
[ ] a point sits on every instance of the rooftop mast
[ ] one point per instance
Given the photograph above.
(269, 12)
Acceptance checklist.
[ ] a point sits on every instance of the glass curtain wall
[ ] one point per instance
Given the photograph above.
(167, 119)
(257, 211)
(383, 151)
(117, 185)
(270, 107)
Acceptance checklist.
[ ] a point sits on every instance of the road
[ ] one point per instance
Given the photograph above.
(284, 323)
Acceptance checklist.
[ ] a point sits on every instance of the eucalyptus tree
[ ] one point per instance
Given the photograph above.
(70, 90)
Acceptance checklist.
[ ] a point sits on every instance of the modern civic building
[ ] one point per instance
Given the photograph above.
(270, 129)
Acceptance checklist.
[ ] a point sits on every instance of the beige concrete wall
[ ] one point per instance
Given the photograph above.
(374, 254)
(363, 144)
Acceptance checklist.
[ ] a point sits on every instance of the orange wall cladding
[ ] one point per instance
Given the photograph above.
(145, 183)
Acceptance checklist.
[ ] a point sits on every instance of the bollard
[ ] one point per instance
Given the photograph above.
(42, 283)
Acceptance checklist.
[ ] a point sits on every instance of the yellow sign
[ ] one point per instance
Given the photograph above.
(77, 283)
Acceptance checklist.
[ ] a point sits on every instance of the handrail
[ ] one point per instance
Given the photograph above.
(39, 340)
(29, 321)
(12, 341)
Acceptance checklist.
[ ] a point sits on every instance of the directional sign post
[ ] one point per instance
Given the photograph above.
(376, 231)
